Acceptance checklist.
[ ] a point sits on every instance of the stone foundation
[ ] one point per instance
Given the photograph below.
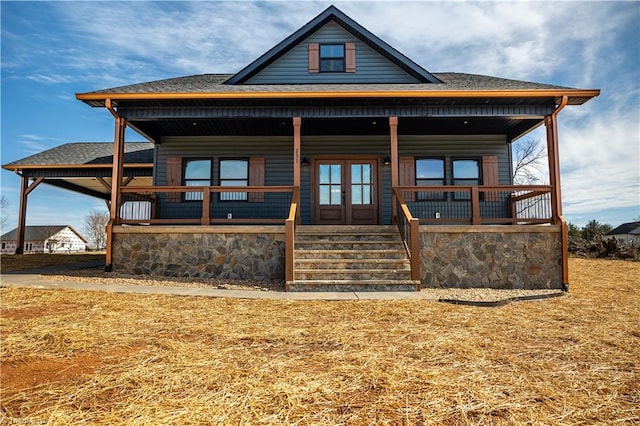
(254, 253)
(502, 257)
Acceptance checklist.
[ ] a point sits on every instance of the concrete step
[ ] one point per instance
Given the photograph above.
(352, 274)
(386, 236)
(353, 285)
(347, 245)
(363, 253)
(344, 229)
(350, 258)
(318, 263)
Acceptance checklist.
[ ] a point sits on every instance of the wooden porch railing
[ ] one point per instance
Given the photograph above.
(409, 228)
(290, 237)
(204, 205)
(477, 205)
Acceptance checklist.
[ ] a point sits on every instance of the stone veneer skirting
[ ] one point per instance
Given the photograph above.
(249, 253)
(503, 257)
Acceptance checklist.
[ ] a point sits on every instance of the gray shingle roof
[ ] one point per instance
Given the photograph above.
(214, 83)
(629, 228)
(79, 153)
(38, 233)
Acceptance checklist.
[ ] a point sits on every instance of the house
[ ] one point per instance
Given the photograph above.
(45, 239)
(334, 161)
(627, 233)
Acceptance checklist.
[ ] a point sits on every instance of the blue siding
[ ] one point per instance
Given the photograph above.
(371, 67)
(278, 154)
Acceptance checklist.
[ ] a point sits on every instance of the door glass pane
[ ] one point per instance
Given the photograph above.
(324, 173)
(336, 195)
(356, 173)
(324, 194)
(366, 173)
(356, 194)
(336, 173)
(366, 195)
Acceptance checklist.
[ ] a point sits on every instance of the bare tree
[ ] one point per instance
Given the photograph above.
(528, 161)
(4, 204)
(95, 227)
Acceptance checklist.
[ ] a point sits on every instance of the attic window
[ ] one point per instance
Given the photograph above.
(332, 58)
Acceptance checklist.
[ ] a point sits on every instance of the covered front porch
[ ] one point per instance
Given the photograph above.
(273, 214)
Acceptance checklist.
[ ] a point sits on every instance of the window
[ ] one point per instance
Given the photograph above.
(196, 173)
(234, 173)
(4, 246)
(430, 172)
(465, 172)
(332, 58)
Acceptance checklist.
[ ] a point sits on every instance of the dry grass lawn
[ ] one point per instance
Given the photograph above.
(72, 357)
(18, 262)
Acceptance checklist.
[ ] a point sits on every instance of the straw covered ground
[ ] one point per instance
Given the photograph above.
(73, 357)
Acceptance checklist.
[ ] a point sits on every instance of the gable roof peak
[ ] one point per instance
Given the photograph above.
(334, 14)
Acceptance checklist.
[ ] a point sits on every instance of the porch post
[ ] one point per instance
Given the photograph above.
(551, 125)
(554, 178)
(297, 122)
(393, 136)
(25, 189)
(116, 182)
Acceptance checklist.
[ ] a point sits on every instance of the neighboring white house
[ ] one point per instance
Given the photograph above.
(45, 239)
(627, 233)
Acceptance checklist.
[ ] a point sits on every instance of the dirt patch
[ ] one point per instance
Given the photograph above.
(23, 375)
(33, 371)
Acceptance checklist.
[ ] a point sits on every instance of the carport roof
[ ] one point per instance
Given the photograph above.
(87, 154)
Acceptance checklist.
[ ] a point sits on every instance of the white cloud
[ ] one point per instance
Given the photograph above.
(600, 162)
(50, 78)
(34, 143)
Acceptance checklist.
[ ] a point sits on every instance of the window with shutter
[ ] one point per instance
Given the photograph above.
(332, 58)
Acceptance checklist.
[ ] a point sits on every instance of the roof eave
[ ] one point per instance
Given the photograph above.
(98, 99)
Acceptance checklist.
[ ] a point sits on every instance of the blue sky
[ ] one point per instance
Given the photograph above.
(52, 50)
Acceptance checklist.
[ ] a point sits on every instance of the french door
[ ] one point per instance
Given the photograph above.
(346, 192)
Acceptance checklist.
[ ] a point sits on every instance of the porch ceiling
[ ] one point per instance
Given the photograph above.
(511, 126)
